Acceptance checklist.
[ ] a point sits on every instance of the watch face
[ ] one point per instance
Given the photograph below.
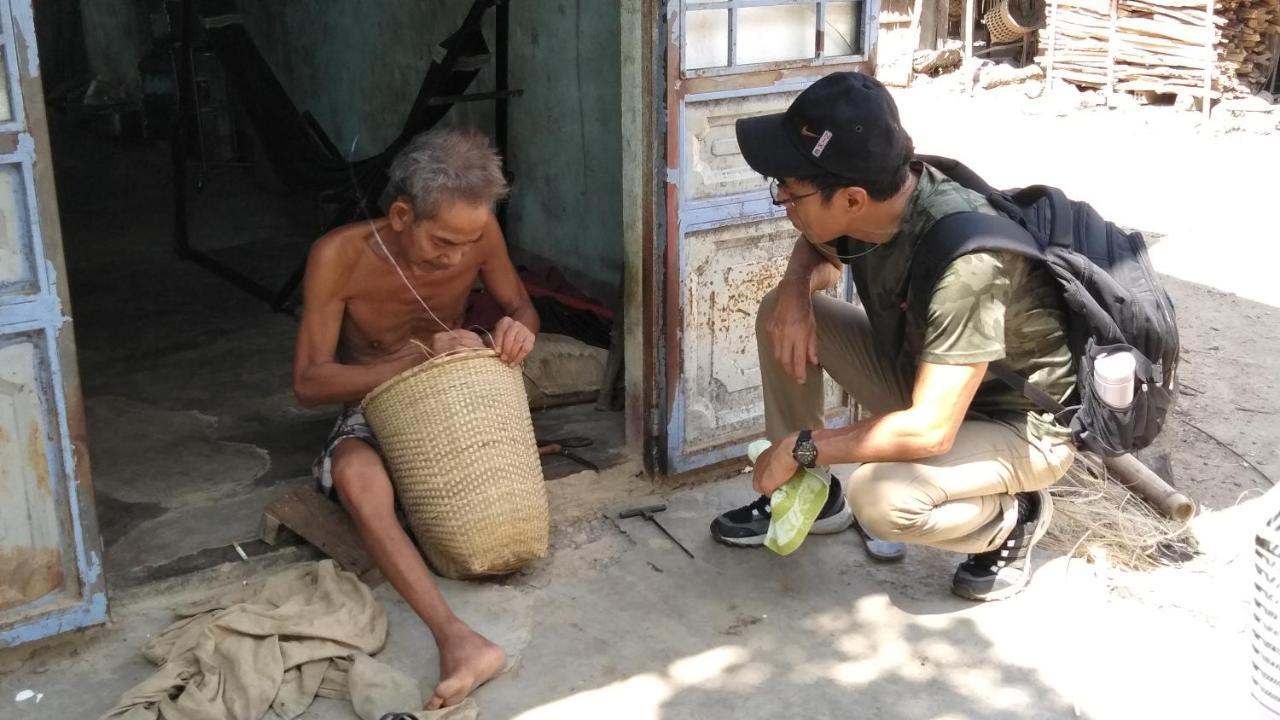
(806, 453)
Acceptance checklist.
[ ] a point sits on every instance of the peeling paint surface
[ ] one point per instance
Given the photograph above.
(31, 557)
(714, 165)
(93, 610)
(50, 571)
(29, 575)
(15, 256)
(6, 109)
(729, 271)
(10, 100)
(732, 246)
(24, 26)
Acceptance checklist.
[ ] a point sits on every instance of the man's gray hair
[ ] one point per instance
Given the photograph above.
(448, 165)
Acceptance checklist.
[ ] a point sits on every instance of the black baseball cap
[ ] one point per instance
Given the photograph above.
(845, 124)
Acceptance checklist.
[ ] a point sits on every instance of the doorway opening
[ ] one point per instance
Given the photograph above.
(186, 313)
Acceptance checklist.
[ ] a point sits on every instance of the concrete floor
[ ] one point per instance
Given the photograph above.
(617, 621)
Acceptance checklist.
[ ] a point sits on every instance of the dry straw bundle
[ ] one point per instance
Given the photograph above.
(458, 438)
(1092, 512)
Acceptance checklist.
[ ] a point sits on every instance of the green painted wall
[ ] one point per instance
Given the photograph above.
(357, 67)
(115, 38)
(566, 141)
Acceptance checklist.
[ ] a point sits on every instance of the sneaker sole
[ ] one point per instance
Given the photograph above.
(745, 542)
(832, 525)
(838, 523)
(995, 596)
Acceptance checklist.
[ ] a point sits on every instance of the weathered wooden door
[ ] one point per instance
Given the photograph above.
(726, 245)
(50, 553)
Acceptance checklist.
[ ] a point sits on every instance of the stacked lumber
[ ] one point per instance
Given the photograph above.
(1249, 40)
(1163, 46)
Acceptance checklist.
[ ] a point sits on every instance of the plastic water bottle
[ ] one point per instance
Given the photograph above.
(1113, 376)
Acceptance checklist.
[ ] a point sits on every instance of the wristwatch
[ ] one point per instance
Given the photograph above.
(805, 452)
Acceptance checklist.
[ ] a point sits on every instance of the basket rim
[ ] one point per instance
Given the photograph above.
(435, 362)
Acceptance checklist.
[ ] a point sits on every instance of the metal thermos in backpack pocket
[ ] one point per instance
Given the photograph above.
(1113, 375)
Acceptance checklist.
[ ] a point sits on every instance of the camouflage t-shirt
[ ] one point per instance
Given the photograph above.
(987, 306)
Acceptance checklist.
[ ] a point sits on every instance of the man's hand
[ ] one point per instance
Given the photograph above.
(792, 330)
(775, 466)
(512, 341)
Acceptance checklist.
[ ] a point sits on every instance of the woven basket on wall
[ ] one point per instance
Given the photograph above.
(458, 440)
(1002, 25)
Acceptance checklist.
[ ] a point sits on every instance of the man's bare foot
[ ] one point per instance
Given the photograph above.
(467, 661)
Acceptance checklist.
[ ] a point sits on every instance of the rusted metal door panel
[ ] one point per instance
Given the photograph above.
(728, 270)
(50, 553)
(726, 244)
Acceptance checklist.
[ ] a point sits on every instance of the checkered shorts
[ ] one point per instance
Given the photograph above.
(351, 424)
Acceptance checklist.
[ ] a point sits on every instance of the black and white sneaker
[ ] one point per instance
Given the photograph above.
(748, 525)
(877, 549)
(1002, 573)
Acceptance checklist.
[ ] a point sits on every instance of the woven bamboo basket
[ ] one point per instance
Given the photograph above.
(1003, 26)
(458, 439)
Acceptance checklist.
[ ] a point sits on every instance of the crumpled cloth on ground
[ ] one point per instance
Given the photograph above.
(268, 650)
(465, 710)
(794, 506)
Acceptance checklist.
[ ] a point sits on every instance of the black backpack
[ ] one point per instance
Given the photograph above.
(1113, 297)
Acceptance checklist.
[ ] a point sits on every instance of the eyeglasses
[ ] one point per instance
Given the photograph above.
(790, 200)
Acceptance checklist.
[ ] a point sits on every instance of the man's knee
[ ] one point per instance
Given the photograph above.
(765, 312)
(360, 478)
(887, 501)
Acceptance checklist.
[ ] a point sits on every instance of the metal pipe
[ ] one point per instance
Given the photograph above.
(1139, 479)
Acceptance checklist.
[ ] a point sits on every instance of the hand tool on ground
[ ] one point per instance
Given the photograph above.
(560, 447)
(647, 512)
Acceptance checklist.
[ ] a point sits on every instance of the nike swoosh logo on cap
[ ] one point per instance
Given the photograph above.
(805, 131)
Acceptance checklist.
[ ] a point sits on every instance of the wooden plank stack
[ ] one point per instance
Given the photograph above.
(1160, 45)
(1249, 40)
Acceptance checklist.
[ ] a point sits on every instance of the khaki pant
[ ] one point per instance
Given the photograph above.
(961, 501)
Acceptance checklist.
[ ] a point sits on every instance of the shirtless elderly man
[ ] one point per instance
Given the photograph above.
(366, 285)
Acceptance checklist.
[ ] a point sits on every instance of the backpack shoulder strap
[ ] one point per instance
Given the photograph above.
(1057, 229)
(958, 172)
(960, 234)
(1044, 400)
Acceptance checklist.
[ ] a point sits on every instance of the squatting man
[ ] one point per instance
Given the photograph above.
(951, 458)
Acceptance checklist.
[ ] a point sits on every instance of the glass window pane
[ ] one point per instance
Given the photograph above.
(16, 271)
(6, 113)
(706, 38)
(768, 34)
(843, 29)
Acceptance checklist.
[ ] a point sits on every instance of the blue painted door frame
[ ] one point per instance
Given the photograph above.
(51, 577)
(686, 214)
